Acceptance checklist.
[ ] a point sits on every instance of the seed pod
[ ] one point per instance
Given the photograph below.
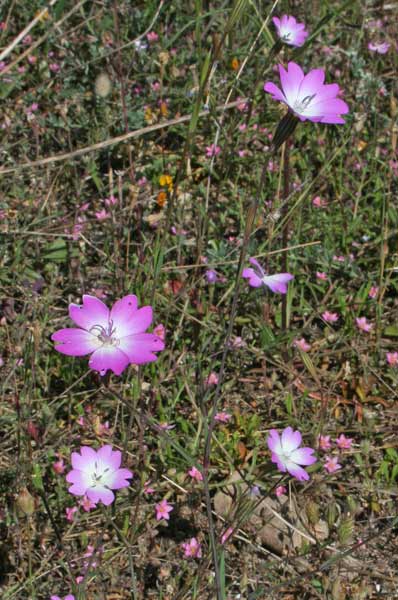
(103, 85)
(25, 503)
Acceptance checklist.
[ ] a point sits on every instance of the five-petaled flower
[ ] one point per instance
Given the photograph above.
(307, 96)
(290, 31)
(379, 47)
(287, 455)
(363, 324)
(163, 509)
(258, 278)
(392, 359)
(332, 465)
(96, 473)
(115, 338)
(343, 442)
(192, 549)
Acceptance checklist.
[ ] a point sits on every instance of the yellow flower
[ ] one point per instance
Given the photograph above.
(166, 180)
(234, 64)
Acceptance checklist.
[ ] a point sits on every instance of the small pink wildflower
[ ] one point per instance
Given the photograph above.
(32, 60)
(374, 290)
(148, 489)
(330, 317)
(70, 512)
(319, 203)
(111, 201)
(195, 474)
(321, 275)
(222, 417)
(212, 150)
(211, 379)
(344, 443)
(237, 342)
(152, 37)
(227, 534)
(392, 359)
(54, 67)
(67, 597)
(192, 549)
(290, 31)
(101, 215)
(280, 490)
(331, 465)
(363, 324)
(87, 504)
(379, 47)
(163, 509)
(302, 344)
(324, 442)
(257, 278)
(160, 331)
(211, 276)
(59, 466)
(339, 258)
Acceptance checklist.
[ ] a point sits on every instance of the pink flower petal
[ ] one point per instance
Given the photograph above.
(75, 342)
(140, 347)
(91, 312)
(108, 357)
(290, 439)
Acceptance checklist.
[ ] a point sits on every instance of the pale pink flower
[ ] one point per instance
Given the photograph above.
(392, 359)
(212, 150)
(70, 512)
(227, 534)
(67, 597)
(374, 290)
(331, 465)
(54, 67)
(160, 331)
(257, 278)
(339, 258)
(324, 442)
(321, 275)
(195, 474)
(344, 443)
(287, 454)
(111, 201)
(302, 344)
(379, 47)
(87, 504)
(101, 215)
(163, 509)
(152, 36)
(192, 549)
(280, 490)
(363, 324)
(32, 60)
(211, 379)
(59, 466)
(330, 317)
(319, 203)
(222, 417)
(237, 342)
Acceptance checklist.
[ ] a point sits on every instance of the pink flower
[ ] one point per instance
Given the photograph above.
(374, 290)
(222, 417)
(287, 455)
(111, 201)
(68, 597)
(226, 535)
(290, 31)
(59, 467)
(237, 342)
(321, 275)
(163, 509)
(302, 344)
(87, 504)
(32, 60)
(160, 331)
(211, 276)
(280, 490)
(392, 358)
(363, 325)
(379, 47)
(319, 203)
(307, 96)
(148, 489)
(114, 338)
(152, 36)
(70, 513)
(331, 465)
(211, 379)
(96, 473)
(330, 317)
(344, 443)
(54, 67)
(324, 442)
(212, 150)
(101, 215)
(195, 474)
(258, 278)
(192, 549)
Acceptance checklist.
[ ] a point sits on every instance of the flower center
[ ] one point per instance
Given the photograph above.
(97, 476)
(106, 335)
(302, 104)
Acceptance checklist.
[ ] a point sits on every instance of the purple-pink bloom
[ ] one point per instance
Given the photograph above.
(96, 473)
(302, 344)
(67, 597)
(290, 31)
(163, 509)
(280, 490)
(114, 338)
(392, 359)
(343, 442)
(257, 278)
(363, 324)
(324, 442)
(287, 455)
(222, 417)
(379, 47)
(332, 465)
(330, 317)
(212, 150)
(195, 474)
(192, 549)
(307, 96)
